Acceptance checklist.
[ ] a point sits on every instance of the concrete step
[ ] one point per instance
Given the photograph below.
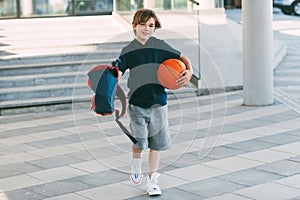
(44, 68)
(42, 91)
(288, 72)
(42, 79)
(70, 57)
(52, 79)
(40, 104)
(21, 103)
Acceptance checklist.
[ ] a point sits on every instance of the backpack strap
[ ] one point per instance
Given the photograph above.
(123, 128)
(121, 95)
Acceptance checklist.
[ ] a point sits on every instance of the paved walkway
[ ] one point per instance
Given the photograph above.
(221, 150)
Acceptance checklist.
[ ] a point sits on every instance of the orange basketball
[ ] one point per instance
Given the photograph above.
(169, 71)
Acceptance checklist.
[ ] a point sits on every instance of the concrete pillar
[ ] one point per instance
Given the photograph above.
(257, 52)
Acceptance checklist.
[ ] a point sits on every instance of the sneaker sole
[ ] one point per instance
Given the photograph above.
(154, 193)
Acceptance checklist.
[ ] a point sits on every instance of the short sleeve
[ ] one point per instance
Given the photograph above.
(122, 63)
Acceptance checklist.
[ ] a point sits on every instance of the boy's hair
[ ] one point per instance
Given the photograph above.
(143, 15)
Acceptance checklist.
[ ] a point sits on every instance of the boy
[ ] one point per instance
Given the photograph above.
(147, 98)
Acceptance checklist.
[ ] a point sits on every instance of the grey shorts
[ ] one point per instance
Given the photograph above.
(150, 127)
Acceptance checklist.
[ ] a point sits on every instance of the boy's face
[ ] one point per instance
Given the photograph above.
(144, 31)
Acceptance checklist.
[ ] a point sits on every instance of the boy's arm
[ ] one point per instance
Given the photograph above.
(116, 63)
(186, 75)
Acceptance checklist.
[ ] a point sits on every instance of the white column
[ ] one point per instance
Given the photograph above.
(257, 52)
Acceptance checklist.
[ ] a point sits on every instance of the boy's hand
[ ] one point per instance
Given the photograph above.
(185, 78)
(119, 75)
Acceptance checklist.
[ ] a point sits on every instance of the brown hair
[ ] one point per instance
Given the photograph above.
(143, 15)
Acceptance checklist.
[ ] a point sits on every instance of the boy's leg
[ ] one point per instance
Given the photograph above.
(136, 175)
(152, 179)
(154, 158)
(136, 153)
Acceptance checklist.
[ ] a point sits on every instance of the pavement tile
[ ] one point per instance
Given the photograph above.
(168, 194)
(23, 194)
(17, 158)
(220, 152)
(17, 125)
(275, 118)
(294, 132)
(55, 174)
(30, 130)
(178, 149)
(250, 145)
(252, 123)
(295, 198)
(72, 196)
(54, 162)
(121, 191)
(239, 136)
(281, 138)
(288, 125)
(83, 136)
(211, 187)
(166, 182)
(267, 155)
(19, 148)
(59, 141)
(102, 178)
(17, 169)
(248, 113)
(296, 159)
(229, 128)
(233, 164)
(83, 155)
(92, 166)
(289, 148)
(292, 181)
(264, 130)
(184, 160)
(250, 177)
(58, 188)
(283, 167)
(269, 191)
(209, 143)
(196, 172)
(229, 196)
(16, 118)
(53, 151)
(44, 135)
(79, 146)
(18, 182)
(17, 140)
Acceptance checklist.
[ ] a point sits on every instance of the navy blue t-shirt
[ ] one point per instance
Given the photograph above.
(142, 62)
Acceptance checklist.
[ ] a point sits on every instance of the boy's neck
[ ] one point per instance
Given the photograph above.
(143, 42)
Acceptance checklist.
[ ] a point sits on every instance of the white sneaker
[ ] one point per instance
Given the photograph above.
(136, 175)
(152, 185)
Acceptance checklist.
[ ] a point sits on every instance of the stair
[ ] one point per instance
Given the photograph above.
(47, 81)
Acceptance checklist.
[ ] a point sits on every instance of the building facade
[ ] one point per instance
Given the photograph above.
(52, 8)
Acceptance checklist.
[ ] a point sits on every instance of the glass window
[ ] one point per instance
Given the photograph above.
(8, 8)
(90, 7)
(35, 8)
